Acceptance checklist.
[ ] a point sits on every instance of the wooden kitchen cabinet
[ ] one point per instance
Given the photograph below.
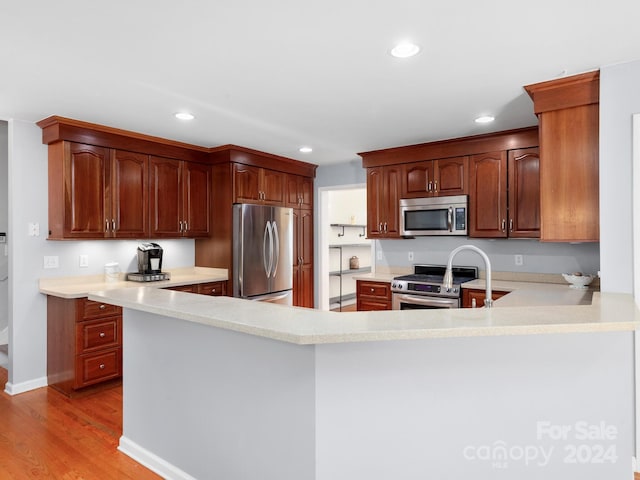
(214, 289)
(180, 197)
(568, 114)
(258, 185)
(97, 192)
(303, 258)
(84, 343)
(504, 194)
(299, 192)
(373, 295)
(383, 196)
(474, 298)
(435, 178)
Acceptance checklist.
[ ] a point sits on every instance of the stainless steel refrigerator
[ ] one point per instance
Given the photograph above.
(263, 253)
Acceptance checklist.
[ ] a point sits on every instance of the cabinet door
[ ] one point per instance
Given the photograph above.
(165, 203)
(488, 195)
(375, 202)
(273, 187)
(85, 178)
(129, 189)
(303, 295)
(524, 193)
(196, 200)
(417, 179)
(450, 176)
(393, 182)
(246, 183)
(299, 191)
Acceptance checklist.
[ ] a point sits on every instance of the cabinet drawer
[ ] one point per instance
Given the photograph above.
(380, 290)
(98, 334)
(184, 288)
(88, 309)
(98, 367)
(213, 288)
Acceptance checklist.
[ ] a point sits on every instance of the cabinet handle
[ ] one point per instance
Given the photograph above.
(186, 227)
(102, 335)
(504, 225)
(435, 186)
(473, 303)
(102, 366)
(106, 224)
(511, 224)
(385, 227)
(429, 186)
(113, 224)
(180, 226)
(380, 228)
(102, 306)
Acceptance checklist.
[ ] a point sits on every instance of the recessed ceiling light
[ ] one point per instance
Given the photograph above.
(305, 149)
(485, 119)
(184, 116)
(405, 50)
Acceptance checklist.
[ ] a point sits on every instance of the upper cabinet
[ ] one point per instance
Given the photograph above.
(504, 194)
(435, 178)
(299, 191)
(96, 192)
(568, 111)
(108, 183)
(258, 185)
(383, 196)
(180, 198)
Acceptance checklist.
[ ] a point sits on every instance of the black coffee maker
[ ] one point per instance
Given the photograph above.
(149, 258)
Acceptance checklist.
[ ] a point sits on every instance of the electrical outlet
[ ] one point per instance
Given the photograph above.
(34, 229)
(519, 260)
(83, 261)
(51, 261)
(410, 256)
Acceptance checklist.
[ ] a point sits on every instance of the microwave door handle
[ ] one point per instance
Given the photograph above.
(450, 218)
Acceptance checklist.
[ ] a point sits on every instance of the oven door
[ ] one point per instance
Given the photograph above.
(405, 301)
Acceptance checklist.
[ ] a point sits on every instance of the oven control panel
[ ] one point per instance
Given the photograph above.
(404, 286)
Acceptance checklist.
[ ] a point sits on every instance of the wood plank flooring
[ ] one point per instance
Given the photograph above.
(45, 435)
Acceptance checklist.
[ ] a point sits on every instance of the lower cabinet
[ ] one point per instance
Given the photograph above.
(373, 295)
(84, 343)
(214, 289)
(473, 298)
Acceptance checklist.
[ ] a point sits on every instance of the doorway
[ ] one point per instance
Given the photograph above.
(4, 248)
(344, 252)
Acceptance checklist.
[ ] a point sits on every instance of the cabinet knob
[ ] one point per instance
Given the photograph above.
(373, 290)
(213, 290)
(102, 366)
(102, 335)
(102, 306)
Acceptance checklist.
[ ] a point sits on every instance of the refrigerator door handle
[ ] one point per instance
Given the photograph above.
(276, 248)
(267, 251)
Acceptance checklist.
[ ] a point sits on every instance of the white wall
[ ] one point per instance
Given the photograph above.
(619, 100)
(4, 222)
(27, 307)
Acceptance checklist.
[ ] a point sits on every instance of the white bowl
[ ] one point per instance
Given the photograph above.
(578, 281)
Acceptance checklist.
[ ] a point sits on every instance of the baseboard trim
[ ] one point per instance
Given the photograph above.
(18, 388)
(151, 461)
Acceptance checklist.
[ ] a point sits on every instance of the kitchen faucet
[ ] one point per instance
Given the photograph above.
(447, 281)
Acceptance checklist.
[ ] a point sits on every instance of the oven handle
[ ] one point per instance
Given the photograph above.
(450, 219)
(423, 300)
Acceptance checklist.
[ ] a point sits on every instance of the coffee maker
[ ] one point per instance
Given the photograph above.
(149, 264)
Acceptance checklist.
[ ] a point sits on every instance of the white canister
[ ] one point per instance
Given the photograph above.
(111, 272)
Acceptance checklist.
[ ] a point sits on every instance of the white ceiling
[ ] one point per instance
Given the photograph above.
(277, 74)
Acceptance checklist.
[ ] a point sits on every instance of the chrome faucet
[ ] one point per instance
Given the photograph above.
(447, 281)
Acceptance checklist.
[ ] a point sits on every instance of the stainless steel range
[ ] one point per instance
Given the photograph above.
(423, 289)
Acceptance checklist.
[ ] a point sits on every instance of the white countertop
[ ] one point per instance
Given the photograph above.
(608, 312)
(78, 287)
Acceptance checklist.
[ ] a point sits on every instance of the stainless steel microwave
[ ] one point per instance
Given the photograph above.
(434, 216)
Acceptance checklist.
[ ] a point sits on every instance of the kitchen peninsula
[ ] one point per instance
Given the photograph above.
(254, 390)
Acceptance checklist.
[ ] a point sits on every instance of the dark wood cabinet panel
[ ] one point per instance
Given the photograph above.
(299, 191)
(383, 196)
(179, 198)
(472, 298)
(214, 289)
(524, 193)
(129, 189)
(433, 178)
(488, 195)
(273, 187)
(84, 341)
(372, 295)
(258, 185)
(303, 285)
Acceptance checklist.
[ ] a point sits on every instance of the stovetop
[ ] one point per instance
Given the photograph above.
(427, 280)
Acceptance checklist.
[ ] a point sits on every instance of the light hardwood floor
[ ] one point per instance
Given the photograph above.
(45, 435)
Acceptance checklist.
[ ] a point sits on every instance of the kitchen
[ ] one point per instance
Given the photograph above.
(619, 100)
